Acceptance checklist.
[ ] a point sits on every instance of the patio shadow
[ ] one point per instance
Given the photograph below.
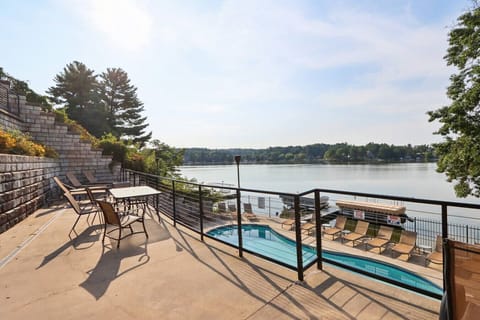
(107, 268)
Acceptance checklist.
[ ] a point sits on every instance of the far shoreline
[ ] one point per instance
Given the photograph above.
(325, 162)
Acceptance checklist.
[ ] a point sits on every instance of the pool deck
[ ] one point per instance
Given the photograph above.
(173, 275)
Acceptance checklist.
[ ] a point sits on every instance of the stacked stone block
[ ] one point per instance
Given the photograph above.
(25, 186)
(75, 155)
(9, 121)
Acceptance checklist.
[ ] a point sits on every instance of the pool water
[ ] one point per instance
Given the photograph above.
(265, 241)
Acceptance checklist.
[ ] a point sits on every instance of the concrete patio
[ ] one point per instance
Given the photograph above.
(173, 275)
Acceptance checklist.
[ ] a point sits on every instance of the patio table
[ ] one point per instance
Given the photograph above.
(136, 193)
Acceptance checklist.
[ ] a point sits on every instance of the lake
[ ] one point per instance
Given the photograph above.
(418, 180)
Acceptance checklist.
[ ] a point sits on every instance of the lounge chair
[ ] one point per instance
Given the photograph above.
(77, 184)
(112, 218)
(232, 208)
(69, 189)
(381, 240)
(338, 228)
(406, 243)
(360, 232)
(307, 227)
(248, 212)
(289, 223)
(437, 255)
(222, 207)
(93, 180)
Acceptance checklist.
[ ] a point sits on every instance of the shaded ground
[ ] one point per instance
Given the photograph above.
(46, 275)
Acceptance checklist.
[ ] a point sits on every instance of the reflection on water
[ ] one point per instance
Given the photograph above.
(418, 180)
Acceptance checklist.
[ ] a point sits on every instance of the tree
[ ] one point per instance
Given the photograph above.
(459, 153)
(119, 99)
(167, 159)
(76, 89)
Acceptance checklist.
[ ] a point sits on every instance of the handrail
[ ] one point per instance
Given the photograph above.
(322, 190)
(316, 191)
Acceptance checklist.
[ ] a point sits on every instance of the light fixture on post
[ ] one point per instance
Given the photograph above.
(237, 160)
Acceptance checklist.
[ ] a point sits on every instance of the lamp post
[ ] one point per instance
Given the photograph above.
(237, 160)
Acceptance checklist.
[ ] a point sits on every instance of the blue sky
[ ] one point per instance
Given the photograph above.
(251, 73)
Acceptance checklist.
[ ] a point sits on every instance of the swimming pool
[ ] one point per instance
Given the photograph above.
(267, 242)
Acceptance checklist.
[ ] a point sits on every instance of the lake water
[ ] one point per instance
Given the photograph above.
(417, 180)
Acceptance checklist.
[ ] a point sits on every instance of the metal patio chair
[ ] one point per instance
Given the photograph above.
(79, 210)
(119, 222)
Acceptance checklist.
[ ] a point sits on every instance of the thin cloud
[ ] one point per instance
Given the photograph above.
(126, 24)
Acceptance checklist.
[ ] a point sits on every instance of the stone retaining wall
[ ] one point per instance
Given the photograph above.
(25, 183)
(9, 121)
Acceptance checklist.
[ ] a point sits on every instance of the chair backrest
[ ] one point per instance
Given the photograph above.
(73, 180)
(385, 232)
(73, 202)
(90, 177)
(61, 185)
(462, 263)
(247, 207)
(361, 227)
(408, 237)
(340, 222)
(232, 207)
(109, 213)
(222, 207)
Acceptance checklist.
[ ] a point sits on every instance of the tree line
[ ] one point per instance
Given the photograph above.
(314, 153)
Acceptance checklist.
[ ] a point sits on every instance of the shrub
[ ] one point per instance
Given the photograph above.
(7, 142)
(15, 142)
(61, 116)
(113, 147)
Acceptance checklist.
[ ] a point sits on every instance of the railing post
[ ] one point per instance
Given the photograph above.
(318, 230)
(174, 196)
(298, 238)
(239, 224)
(200, 202)
(466, 233)
(444, 222)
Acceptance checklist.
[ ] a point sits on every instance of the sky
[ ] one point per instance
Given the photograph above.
(251, 73)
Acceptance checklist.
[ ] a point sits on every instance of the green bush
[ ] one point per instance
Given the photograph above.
(61, 116)
(16, 142)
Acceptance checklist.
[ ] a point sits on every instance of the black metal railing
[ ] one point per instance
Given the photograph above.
(192, 205)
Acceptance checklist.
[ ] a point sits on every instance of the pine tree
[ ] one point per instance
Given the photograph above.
(76, 89)
(119, 98)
